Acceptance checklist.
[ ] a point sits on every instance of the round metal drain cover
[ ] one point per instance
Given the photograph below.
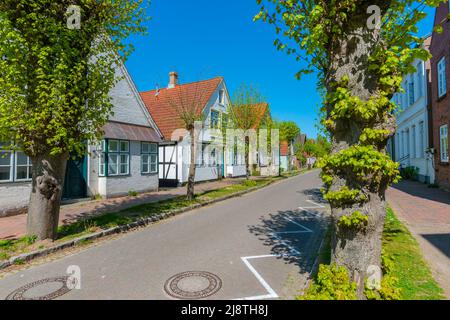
(193, 285)
(52, 287)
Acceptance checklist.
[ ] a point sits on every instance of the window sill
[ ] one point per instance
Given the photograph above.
(439, 99)
(444, 163)
(149, 174)
(117, 176)
(16, 182)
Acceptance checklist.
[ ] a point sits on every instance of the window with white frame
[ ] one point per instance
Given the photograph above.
(442, 78)
(406, 95)
(14, 166)
(420, 79)
(443, 138)
(222, 97)
(421, 140)
(6, 166)
(414, 153)
(115, 159)
(23, 167)
(215, 119)
(411, 91)
(149, 158)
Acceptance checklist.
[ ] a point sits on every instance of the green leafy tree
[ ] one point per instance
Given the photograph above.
(360, 50)
(289, 130)
(55, 79)
(189, 107)
(318, 148)
(247, 111)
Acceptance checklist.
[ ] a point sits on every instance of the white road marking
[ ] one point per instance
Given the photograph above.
(272, 294)
(298, 224)
(293, 252)
(317, 205)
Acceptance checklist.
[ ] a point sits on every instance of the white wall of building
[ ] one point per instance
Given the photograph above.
(411, 141)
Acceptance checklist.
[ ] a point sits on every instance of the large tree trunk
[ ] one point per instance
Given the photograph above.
(45, 199)
(359, 248)
(191, 178)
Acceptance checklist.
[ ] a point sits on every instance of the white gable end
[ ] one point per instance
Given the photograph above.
(128, 106)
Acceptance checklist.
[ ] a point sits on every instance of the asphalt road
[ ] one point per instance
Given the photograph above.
(258, 246)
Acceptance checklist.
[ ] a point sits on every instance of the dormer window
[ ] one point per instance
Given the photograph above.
(222, 97)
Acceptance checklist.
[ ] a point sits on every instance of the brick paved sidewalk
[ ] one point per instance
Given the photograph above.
(426, 212)
(15, 226)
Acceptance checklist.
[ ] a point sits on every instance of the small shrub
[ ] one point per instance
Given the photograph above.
(132, 193)
(332, 283)
(29, 240)
(19, 262)
(96, 197)
(389, 290)
(5, 243)
(433, 186)
(409, 173)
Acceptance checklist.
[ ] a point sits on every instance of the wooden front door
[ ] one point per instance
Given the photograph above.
(75, 184)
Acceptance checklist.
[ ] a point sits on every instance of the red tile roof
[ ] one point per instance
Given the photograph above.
(165, 106)
(261, 109)
(284, 148)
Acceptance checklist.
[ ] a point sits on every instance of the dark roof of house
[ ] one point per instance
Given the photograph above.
(125, 131)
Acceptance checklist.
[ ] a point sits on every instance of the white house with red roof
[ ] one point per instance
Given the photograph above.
(126, 159)
(210, 100)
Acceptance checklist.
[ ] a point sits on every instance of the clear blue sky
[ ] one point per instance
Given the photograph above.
(206, 38)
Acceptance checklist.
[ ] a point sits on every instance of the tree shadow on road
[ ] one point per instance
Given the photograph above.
(293, 236)
(314, 194)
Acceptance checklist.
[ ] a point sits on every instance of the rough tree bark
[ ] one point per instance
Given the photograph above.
(357, 249)
(48, 181)
(191, 178)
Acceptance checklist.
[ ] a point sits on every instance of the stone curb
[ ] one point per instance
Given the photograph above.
(26, 257)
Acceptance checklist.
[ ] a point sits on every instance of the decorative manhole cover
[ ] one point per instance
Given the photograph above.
(193, 285)
(51, 287)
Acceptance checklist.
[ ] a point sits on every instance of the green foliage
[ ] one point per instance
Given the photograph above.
(332, 283)
(409, 173)
(244, 111)
(289, 130)
(355, 220)
(366, 166)
(343, 196)
(55, 81)
(132, 193)
(320, 28)
(388, 290)
(313, 148)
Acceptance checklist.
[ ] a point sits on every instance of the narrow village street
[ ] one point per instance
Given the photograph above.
(259, 246)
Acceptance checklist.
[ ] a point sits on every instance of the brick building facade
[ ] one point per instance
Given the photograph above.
(440, 95)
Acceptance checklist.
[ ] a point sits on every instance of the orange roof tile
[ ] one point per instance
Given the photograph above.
(165, 106)
(262, 108)
(284, 148)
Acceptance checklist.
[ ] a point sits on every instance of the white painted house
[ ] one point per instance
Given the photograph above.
(410, 144)
(126, 160)
(210, 99)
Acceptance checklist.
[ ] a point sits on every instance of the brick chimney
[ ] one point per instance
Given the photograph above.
(173, 79)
